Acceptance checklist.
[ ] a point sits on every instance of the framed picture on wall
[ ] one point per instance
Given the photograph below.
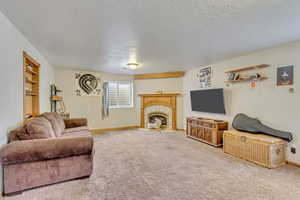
(205, 76)
(87, 84)
(285, 75)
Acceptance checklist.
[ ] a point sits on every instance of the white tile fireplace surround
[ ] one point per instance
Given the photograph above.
(159, 110)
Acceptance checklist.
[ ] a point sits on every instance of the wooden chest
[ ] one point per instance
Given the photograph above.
(264, 150)
(209, 131)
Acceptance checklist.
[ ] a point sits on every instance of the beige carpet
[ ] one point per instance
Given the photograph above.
(144, 165)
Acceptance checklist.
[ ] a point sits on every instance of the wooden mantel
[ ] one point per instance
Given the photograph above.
(164, 99)
(159, 95)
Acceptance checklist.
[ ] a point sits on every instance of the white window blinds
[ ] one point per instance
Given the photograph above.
(120, 94)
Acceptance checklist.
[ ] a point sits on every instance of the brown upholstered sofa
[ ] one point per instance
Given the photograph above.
(46, 150)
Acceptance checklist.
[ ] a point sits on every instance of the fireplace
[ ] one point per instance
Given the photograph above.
(160, 107)
(159, 119)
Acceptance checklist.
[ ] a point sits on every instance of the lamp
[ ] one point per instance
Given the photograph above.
(132, 66)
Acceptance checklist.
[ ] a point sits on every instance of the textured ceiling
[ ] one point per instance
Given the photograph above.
(161, 35)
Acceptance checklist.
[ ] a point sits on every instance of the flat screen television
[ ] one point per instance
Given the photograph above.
(211, 101)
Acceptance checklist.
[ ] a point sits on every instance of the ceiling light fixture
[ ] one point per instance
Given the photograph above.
(132, 66)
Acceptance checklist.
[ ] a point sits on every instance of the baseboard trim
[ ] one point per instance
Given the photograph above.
(293, 164)
(96, 131)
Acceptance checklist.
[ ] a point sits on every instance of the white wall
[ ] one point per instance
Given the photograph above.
(167, 85)
(12, 44)
(272, 104)
(90, 106)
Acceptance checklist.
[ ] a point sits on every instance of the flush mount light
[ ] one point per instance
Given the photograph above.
(132, 66)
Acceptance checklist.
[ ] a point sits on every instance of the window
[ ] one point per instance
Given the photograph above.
(120, 94)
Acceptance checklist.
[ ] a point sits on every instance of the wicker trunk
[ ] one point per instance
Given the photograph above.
(264, 150)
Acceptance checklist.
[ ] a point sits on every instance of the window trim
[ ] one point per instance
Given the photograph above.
(131, 94)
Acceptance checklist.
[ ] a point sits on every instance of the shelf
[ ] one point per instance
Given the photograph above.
(30, 94)
(31, 71)
(31, 85)
(30, 81)
(249, 68)
(246, 79)
(56, 98)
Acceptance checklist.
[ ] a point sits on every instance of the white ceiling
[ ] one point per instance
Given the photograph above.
(165, 35)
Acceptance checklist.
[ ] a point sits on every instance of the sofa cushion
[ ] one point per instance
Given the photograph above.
(75, 122)
(45, 149)
(56, 121)
(76, 129)
(37, 128)
(81, 133)
(14, 134)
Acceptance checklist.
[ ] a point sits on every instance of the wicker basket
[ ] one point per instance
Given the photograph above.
(264, 150)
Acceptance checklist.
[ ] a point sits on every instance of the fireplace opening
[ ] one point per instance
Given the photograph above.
(158, 119)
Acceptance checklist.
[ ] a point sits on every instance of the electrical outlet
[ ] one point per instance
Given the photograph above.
(291, 90)
(293, 150)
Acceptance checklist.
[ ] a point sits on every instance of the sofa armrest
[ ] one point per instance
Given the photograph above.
(45, 149)
(75, 122)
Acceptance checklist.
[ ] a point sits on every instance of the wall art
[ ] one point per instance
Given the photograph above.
(87, 84)
(205, 76)
(285, 75)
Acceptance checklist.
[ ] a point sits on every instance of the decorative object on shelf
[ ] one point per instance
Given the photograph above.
(28, 90)
(236, 75)
(254, 76)
(285, 75)
(87, 84)
(231, 76)
(205, 76)
(159, 91)
(29, 67)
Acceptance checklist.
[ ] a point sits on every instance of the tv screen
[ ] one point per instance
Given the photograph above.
(211, 101)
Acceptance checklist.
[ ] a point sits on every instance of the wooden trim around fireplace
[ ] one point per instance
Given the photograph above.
(168, 99)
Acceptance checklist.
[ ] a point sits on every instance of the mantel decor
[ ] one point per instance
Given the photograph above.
(164, 99)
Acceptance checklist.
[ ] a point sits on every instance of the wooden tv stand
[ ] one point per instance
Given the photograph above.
(209, 131)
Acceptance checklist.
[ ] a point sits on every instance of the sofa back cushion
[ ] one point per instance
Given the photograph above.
(14, 134)
(56, 121)
(36, 128)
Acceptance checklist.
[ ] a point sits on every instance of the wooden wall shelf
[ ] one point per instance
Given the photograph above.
(248, 68)
(31, 77)
(246, 79)
(56, 98)
(30, 81)
(31, 71)
(30, 94)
